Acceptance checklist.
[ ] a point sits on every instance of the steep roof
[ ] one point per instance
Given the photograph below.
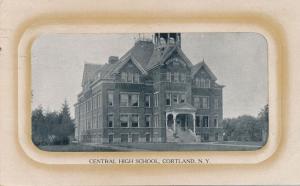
(198, 66)
(89, 72)
(161, 55)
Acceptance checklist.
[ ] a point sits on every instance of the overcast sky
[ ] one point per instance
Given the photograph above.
(239, 60)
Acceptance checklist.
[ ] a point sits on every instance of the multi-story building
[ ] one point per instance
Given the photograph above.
(153, 93)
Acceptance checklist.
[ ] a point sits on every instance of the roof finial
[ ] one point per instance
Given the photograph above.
(203, 59)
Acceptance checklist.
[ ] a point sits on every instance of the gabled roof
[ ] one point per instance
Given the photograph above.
(160, 56)
(200, 65)
(125, 61)
(89, 72)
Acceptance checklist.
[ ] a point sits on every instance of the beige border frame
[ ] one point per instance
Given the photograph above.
(264, 25)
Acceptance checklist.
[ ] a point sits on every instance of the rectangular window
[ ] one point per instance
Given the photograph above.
(197, 102)
(110, 120)
(206, 137)
(175, 98)
(136, 78)
(135, 138)
(168, 99)
(147, 101)
(129, 77)
(216, 103)
(182, 98)
(205, 121)
(197, 82)
(197, 121)
(99, 100)
(207, 83)
(124, 138)
(124, 120)
(147, 120)
(156, 119)
(134, 100)
(110, 138)
(168, 78)
(124, 76)
(110, 99)
(135, 120)
(183, 77)
(215, 121)
(176, 77)
(124, 100)
(202, 83)
(205, 102)
(147, 137)
(156, 99)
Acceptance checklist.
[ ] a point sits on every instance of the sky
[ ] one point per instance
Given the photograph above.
(239, 61)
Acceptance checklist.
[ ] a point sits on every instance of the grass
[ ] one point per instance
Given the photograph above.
(223, 146)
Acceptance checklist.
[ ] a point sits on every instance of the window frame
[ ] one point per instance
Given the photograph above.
(108, 125)
(131, 121)
(127, 120)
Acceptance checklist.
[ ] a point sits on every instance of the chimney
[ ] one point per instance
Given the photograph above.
(113, 59)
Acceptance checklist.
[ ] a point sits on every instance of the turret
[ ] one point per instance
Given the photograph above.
(167, 39)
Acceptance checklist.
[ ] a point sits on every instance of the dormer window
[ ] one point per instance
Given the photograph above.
(99, 75)
(136, 78)
(124, 76)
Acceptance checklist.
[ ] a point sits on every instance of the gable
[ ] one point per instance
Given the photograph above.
(176, 54)
(129, 61)
(202, 70)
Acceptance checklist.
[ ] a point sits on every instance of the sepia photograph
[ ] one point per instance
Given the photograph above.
(150, 92)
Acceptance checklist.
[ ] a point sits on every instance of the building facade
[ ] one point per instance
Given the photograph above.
(152, 94)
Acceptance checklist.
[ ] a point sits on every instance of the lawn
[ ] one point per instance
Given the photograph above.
(224, 146)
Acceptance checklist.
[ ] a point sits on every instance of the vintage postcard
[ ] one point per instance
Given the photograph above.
(149, 92)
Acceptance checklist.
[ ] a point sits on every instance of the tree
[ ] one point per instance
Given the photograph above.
(65, 127)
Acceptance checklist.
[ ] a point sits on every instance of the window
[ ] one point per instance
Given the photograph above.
(135, 138)
(168, 99)
(110, 138)
(135, 121)
(134, 100)
(110, 99)
(204, 121)
(168, 76)
(123, 76)
(124, 100)
(183, 77)
(206, 136)
(216, 103)
(182, 98)
(197, 121)
(197, 102)
(99, 100)
(136, 78)
(124, 120)
(124, 138)
(207, 83)
(156, 99)
(202, 83)
(197, 82)
(175, 98)
(147, 137)
(129, 77)
(215, 121)
(176, 77)
(205, 102)
(147, 101)
(155, 121)
(147, 120)
(110, 120)
(216, 136)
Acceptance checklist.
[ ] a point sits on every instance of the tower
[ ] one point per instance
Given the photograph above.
(167, 39)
